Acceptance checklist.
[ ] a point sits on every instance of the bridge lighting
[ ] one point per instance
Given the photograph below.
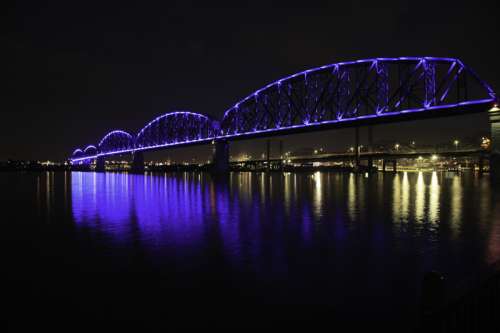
(396, 146)
(351, 149)
(420, 158)
(434, 157)
(315, 151)
(205, 130)
(456, 142)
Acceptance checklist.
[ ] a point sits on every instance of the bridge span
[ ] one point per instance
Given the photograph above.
(346, 94)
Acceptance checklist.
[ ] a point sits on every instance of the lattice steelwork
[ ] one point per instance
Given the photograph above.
(175, 128)
(77, 153)
(355, 90)
(90, 150)
(116, 142)
(342, 92)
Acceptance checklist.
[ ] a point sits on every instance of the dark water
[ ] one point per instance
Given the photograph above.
(161, 250)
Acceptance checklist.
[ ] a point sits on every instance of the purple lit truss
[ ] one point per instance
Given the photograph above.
(115, 142)
(90, 150)
(175, 128)
(341, 92)
(355, 90)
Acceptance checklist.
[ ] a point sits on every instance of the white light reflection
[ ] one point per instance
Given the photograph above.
(318, 195)
(405, 198)
(434, 199)
(420, 198)
(351, 197)
(396, 198)
(456, 205)
(287, 190)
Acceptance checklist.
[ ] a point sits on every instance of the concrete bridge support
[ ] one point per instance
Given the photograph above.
(356, 150)
(481, 164)
(221, 157)
(370, 164)
(268, 155)
(138, 162)
(494, 114)
(100, 165)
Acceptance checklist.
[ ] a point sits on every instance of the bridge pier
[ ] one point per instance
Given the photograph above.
(356, 149)
(138, 162)
(100, 165)
(481, 164)
(383, 165)
(494, 115)
(395, 165)
(221, 157)
(370, 164)
(268, 154)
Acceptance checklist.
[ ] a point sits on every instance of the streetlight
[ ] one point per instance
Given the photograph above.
(396, 146)
(456, 142)
(485, 143)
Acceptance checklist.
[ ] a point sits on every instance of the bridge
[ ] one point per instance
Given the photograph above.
(369, 157)
(346, 94)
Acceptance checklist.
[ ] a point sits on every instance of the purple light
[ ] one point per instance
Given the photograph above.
(343, 101)
(89, 147)
(172, 114)
(481, 101)
(78, 150)
(374, 60)
(113, 133)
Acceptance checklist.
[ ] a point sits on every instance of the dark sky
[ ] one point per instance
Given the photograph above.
(75, 70)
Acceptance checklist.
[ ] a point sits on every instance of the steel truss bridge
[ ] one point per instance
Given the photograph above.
(346, 94)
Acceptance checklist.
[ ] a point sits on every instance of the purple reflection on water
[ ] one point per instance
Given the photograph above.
(295, 238)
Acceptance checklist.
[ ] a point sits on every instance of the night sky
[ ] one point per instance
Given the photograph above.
(75, 70)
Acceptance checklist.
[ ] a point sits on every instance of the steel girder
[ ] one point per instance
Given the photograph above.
(174, 128)
(341, 92)
(115, 142)
(355, 90)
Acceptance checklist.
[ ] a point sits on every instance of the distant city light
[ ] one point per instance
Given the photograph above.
(485, 143)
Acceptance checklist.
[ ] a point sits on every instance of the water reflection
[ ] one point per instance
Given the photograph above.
(456, 205)
(420, 198)
(253, 221)
(352, 196)
(318, 194)
(434, 191)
